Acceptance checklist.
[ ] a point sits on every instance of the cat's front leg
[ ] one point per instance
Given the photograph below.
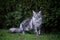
(35, 31)
(39, 31)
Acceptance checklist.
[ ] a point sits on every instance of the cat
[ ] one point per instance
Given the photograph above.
(34, 23)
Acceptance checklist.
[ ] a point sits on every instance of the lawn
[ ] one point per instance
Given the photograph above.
(5, 35)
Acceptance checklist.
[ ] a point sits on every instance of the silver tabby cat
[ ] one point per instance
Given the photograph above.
(31, 23)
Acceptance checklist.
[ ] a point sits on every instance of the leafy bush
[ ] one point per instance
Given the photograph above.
(13, 12)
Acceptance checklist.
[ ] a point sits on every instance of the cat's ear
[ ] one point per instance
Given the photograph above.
(34, 13)
(39, 11)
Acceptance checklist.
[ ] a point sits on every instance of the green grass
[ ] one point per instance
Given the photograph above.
(5, 35)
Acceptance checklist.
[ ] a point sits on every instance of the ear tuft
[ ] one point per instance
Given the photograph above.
(33, 11)
(39, 11)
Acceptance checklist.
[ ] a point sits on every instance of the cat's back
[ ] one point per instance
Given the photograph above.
(26, 21)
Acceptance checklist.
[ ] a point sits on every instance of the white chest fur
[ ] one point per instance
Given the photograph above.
(37, 22)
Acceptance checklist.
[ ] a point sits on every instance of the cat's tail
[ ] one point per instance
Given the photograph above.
(12, 30)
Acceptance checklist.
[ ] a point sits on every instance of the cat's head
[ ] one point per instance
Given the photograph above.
(37, 14)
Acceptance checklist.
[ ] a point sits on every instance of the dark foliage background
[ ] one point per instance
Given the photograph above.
(13, 12)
